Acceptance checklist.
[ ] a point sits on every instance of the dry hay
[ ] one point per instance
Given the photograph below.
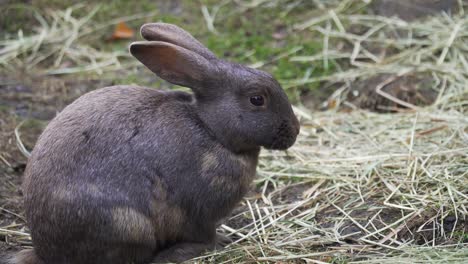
(60, 45)
(359, 185)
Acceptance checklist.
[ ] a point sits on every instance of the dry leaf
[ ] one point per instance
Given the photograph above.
(122, 31)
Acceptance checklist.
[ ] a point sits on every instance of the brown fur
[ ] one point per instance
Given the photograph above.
(209, 161)
(132, 225)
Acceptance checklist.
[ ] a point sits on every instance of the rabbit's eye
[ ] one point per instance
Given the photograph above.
(257, 100)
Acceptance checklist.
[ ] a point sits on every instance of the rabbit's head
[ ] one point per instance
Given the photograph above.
(244, 108)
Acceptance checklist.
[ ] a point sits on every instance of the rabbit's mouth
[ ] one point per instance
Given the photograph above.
(284, 138)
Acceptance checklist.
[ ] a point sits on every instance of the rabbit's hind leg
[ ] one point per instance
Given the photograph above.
(182, 252)
(124, 254)
(27, 256)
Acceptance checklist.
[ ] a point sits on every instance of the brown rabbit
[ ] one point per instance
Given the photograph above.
(128, 174)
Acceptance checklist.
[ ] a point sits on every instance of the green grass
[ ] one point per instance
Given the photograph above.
(260, 35)
(462, 236)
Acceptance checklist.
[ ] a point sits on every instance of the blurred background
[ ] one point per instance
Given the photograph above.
(379, 172)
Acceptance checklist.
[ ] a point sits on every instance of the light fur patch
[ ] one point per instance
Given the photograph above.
(168, 221)
(247, 167)
(246, 164)
(209, 161)
(244, 161)
(27, 256)
(132, 225)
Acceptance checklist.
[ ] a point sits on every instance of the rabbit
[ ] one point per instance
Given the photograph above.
(129, 174)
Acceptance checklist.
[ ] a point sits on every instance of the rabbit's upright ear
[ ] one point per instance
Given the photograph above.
(175, 64)
(175, 35)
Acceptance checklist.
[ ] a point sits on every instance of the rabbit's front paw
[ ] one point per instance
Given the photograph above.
(182, 252)
(222, 241)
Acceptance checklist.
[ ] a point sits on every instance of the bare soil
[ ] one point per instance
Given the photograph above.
(412, 89)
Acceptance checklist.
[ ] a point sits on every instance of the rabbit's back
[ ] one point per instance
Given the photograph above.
(103, 143)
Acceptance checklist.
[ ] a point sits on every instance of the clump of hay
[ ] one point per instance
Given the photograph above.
(59, 45)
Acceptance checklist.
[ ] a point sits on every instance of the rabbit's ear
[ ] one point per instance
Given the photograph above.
(175, 35)
(174, 64)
